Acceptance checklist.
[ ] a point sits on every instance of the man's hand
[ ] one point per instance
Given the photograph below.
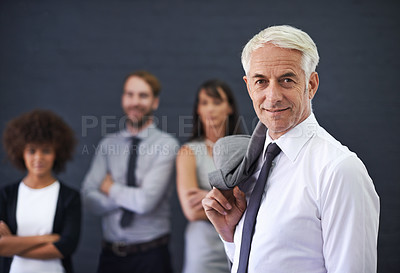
(106, 184)
(224, 210)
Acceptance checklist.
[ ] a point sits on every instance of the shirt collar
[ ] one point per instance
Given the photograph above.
(142, 134)
(293, 141)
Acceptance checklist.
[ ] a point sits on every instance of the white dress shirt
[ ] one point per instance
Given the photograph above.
(319, 212)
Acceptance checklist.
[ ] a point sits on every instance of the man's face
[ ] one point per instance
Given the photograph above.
(138, 101)
(276, 84)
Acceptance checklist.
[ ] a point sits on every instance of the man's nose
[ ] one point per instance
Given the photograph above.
(273, 92)
(135, 100)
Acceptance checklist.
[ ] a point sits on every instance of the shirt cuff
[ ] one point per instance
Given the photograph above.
(229, 248)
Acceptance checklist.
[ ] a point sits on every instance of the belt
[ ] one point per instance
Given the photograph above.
(123, 249)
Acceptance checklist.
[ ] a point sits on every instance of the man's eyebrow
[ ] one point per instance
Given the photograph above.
(257, 76)
(288, 75)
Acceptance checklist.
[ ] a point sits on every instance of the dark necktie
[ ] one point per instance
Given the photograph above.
(127, 215)
(254, 204)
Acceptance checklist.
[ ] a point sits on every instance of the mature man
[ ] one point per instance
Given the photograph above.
(318, 211)
(129, 184)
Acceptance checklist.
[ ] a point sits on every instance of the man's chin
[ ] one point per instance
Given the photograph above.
(138, 123)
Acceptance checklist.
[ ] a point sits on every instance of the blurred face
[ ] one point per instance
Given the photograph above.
(138, 101)
(213, 112)
(39, 159)
(277, 86)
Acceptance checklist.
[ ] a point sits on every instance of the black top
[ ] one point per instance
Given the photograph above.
(67, 221)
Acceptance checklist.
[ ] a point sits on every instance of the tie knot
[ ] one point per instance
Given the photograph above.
(135, 141)
(273, 150)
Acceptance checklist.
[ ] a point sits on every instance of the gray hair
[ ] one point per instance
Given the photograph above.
(284, 37)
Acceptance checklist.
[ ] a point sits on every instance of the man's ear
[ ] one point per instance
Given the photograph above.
(247, 85)
(156, 103)
(313, 84)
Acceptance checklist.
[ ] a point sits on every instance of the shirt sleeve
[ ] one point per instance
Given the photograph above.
(229, 249)
(95, 201)
(349, 217)
(154, 186)
(71, 224)
(3, 205)
(8, 206)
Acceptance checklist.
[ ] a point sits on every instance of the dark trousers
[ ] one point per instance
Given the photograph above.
(156, 260)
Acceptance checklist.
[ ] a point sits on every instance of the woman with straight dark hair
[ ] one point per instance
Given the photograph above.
(215, 115)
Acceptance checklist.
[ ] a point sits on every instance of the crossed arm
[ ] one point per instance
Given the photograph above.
(190, 195)
(35, 247)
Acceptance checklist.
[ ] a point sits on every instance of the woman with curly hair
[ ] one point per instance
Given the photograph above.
(40, 217)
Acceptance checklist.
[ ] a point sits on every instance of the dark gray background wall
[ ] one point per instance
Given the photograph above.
(71, 57)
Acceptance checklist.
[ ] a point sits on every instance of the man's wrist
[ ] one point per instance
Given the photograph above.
(227, 235)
